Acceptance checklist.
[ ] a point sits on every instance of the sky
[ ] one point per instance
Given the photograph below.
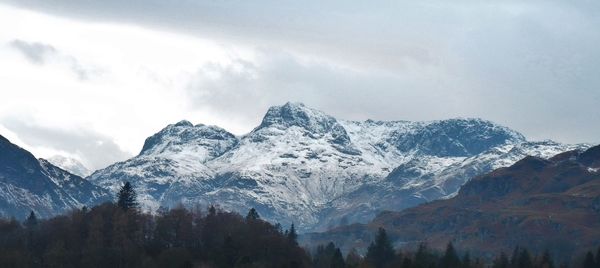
(91, 80)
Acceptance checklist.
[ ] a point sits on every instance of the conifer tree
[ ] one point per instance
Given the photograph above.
(229, 252)
(546, 261)
(381, 252)
(589, 260)
(478, 263)
(450, 258)
(501, 262)
(127, 198)
(31, 224)
(328, 257)
(31, 220)
(279, 228)
(423, 256)
(466, 261)
(252, 215)
(353, 259)
(406, 263)
(524, 260)
(515, 256)
(292, 235)
(337, 261)
(162, 210)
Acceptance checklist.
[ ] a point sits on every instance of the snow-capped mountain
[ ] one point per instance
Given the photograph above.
(301, 165)
(173, 158)
(27, 183)
(70, 164)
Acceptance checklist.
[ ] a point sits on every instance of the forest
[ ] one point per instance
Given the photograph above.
(120, 235)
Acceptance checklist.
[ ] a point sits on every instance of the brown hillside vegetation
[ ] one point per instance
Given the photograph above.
(540, 204)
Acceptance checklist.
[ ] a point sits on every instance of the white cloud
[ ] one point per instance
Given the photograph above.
(122, 72)
(91, 148)
(139, 91)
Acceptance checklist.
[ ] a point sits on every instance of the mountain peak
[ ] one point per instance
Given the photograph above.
(297, 114)
(209, 141)
(70, 164)
(456, 137)
(294, 104)
(313, 122)
(183, 123)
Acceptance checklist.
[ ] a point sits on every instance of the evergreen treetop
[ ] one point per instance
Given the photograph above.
(589, 262)
(380, 252)
(127, 198)
(292, 235)
(252, 215)
(450, 258)
(31, 220)
(212, 211)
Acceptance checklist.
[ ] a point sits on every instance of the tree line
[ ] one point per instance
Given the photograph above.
(381, 254)
(120, 235)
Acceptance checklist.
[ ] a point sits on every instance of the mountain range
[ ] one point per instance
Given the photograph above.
(303, 166)
(543, 204)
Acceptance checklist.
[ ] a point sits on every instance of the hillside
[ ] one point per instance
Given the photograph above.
(540, 203)
(27, 184)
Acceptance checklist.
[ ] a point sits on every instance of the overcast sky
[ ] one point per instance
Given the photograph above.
(92, 79)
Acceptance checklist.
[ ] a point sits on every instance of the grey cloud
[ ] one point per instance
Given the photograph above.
(84, 72)
(41, 53)
(531, 65)
(387, 34)
(244, 90)
(34, 51)
(374, 34)
(96, 150)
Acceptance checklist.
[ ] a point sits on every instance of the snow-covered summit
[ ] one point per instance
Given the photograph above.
(201, 141)
(305, 121)
(70, 164)
(454, 137)
(304, 166)
(297, 114)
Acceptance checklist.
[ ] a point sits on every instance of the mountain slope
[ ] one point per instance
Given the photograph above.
(27, 183)
(70, 164)
(302, 165)
(538, 203)
(426, 178)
